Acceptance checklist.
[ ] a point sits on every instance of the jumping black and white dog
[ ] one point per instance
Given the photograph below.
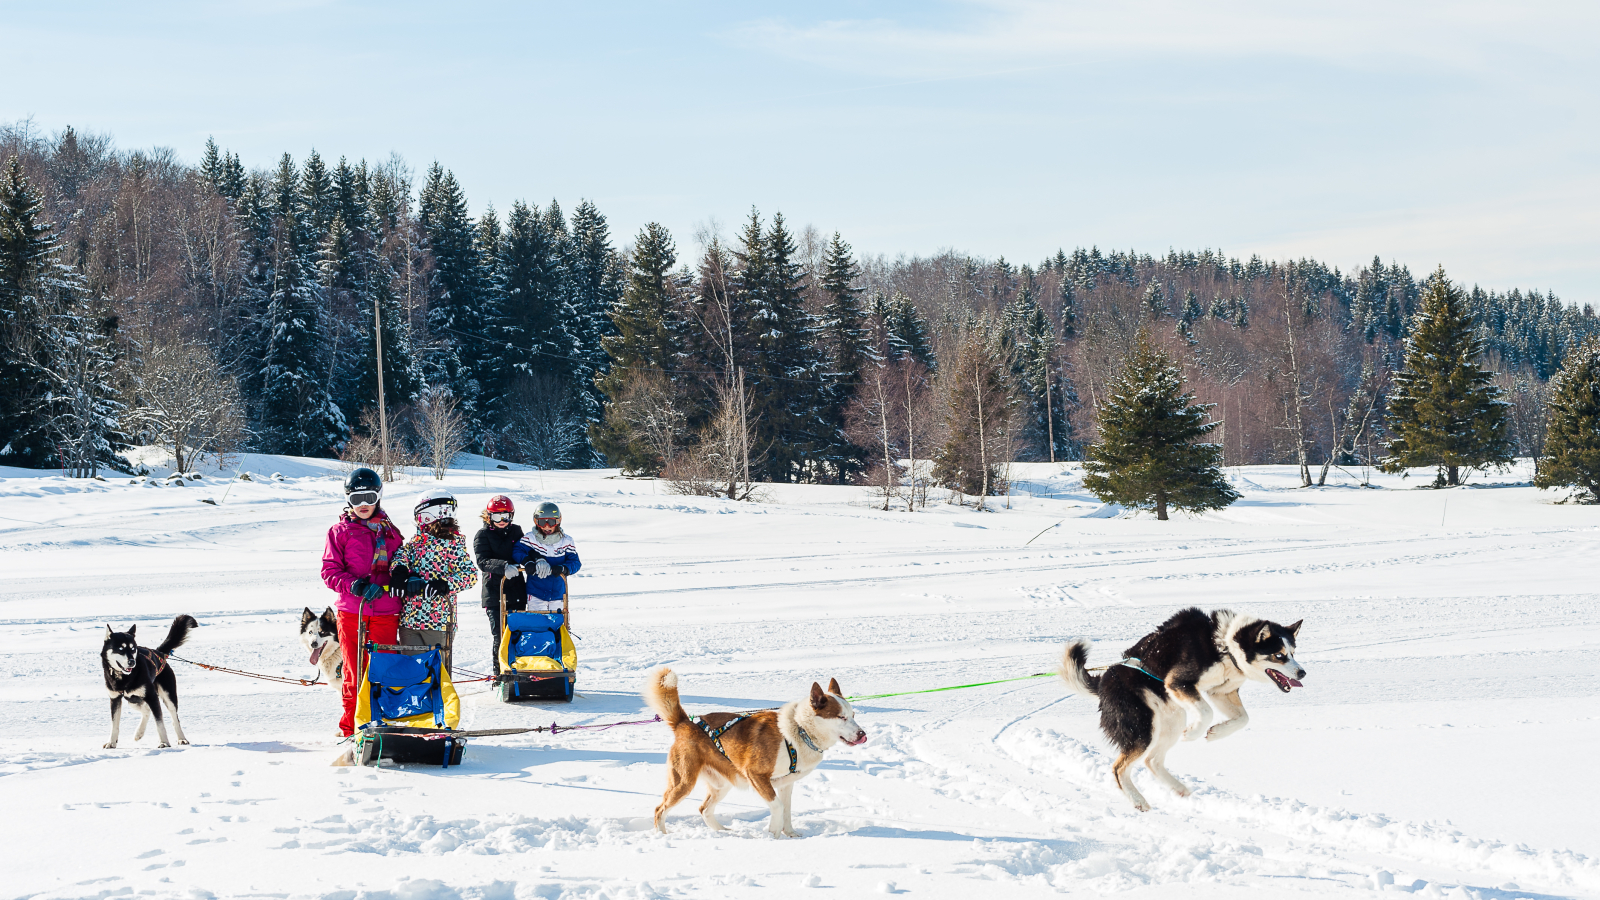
(1190, 664)
(320, 635)
(142, 677)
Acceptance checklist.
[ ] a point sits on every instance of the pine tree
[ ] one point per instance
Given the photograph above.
(594, 284)
(847, 340)
(1572, 446)
(531, 328)
(211, 165)
(786, 365)
(298, 413)
(908, 333)
(1150, 454)
(321, 198)
(1445, 411)
(57, 393)
(650, 332)
(454, 288)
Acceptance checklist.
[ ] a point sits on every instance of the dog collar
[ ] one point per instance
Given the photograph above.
(807, 738)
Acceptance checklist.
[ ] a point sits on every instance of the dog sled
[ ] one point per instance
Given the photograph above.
(536, 658)
(407, 710)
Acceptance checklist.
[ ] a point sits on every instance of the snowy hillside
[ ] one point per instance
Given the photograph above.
(1440, 745)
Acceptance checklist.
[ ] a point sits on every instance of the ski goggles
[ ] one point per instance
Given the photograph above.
(500, 517)
(547, 523)
(436, 511)
(363, 498)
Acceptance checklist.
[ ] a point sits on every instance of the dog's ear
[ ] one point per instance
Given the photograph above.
(109, 633)
(1295, 628)
(131, 630)
(818, 698)
(306, 616)
(1265, 634)
(834, 689)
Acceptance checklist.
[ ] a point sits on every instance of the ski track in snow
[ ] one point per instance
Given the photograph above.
(1449, 665)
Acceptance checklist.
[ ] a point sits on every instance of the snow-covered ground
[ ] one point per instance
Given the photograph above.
(1442, 745)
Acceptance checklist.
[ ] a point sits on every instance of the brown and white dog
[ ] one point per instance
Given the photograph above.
(766, 751)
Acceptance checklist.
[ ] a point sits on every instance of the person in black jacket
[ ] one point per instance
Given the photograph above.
(491, 547)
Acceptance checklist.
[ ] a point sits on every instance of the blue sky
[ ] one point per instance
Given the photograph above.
(1457, 133)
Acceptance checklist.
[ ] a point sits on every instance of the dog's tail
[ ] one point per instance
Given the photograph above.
(1074, 672)
(178, 634)
(661, 694)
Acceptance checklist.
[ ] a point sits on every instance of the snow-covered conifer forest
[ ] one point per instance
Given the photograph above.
(547, 339)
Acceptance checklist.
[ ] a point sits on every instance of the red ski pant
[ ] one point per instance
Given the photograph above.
(380, 630)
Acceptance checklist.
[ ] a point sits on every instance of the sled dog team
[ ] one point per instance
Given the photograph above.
(1180, 682)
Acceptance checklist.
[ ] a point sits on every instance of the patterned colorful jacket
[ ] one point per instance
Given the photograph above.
(428, 557)
(558, 550)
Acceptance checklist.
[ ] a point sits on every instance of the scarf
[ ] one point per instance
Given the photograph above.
(380, 547)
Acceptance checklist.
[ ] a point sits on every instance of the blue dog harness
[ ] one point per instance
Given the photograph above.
(715, 734)
(1133, 662)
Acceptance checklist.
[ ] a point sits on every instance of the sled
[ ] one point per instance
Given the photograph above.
(407, 709)
(536, 660)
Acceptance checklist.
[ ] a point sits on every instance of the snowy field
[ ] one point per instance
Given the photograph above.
(1442, 746)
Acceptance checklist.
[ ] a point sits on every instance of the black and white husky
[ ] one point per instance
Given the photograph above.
(142, 677)
(320, 635)
(1189, 665)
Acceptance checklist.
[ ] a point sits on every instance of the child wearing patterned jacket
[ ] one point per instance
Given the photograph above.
(431, 569)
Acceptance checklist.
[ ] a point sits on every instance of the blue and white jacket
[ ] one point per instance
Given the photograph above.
(558, 550)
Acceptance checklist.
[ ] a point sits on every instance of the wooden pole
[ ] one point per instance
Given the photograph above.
(383, 413)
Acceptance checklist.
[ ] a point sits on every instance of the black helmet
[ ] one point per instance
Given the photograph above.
(362, 479)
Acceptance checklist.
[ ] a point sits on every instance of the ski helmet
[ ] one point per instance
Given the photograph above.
(547, 514)
(435, 505)
(500, 503)
(363, 487)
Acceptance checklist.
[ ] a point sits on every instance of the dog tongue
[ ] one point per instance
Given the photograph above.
(315, 655)
(1293, 683)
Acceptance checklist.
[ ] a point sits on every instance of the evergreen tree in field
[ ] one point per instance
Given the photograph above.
(1444, 410)
(594, 285)
(1150, 454)
(58, 399)
(908, 333)
(844, 319)
(1572, 446)
(211, 163)
(847, 338)
(494, 355)
(532, 326)
(321, 199)
(786, 365)
(25, 248)
(1031, 345)
(455, 287)
(298, 412)
(651, 333)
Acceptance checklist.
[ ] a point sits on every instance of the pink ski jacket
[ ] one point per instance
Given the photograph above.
(348, 555)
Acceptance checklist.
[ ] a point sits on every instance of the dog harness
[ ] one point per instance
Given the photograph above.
(1133, 662)
(156, 660)
(716, 739)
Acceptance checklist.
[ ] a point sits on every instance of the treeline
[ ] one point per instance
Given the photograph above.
(776, 354)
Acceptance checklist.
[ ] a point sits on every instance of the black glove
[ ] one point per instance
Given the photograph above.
(399, 573)
(436, 589)
(365, 589)
(558, 569)
(414, 587)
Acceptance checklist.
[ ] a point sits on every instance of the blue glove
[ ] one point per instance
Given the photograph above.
(365, 589)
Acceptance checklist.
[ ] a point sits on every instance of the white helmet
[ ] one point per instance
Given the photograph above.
(435, 505)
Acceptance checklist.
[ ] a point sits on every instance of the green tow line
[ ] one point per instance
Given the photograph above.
(954, 687)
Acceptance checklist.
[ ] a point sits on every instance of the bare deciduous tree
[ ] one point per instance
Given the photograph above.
(719, 465)
(440, 428)
(188, 404)
(543, 426)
